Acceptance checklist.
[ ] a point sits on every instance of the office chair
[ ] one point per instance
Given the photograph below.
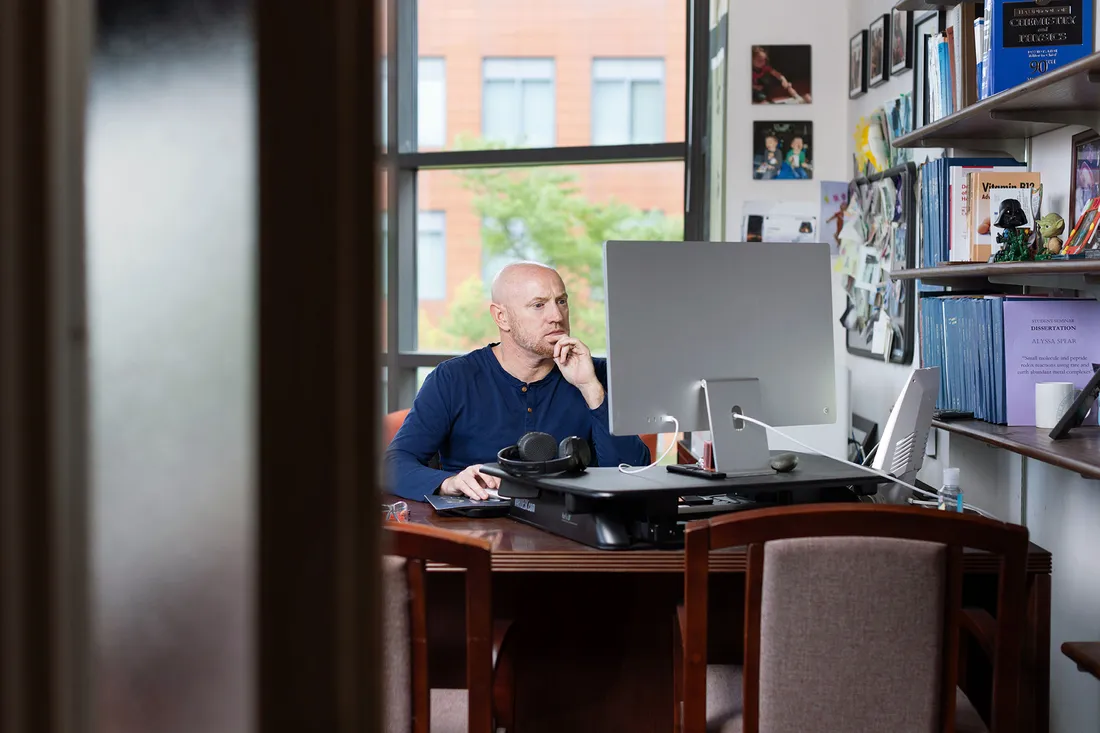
(852, 618)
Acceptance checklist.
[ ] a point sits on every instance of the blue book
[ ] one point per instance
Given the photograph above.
(1028, 38)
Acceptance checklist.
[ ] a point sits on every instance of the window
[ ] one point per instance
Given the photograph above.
(518, 104)
(431, 99)
(558, 215)
(534, 137)
(628, 101)
(431, 255)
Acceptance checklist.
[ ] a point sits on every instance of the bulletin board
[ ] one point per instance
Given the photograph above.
(878, 237)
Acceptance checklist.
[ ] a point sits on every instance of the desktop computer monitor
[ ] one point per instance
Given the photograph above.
(705, 331)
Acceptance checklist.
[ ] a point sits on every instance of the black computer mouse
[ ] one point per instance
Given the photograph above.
(784, 462)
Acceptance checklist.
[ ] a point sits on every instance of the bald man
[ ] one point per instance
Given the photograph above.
(535, 378)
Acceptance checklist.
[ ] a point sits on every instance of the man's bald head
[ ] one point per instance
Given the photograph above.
(530, 307)
(513, 279)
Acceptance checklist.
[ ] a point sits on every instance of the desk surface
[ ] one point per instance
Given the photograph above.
(519, 547)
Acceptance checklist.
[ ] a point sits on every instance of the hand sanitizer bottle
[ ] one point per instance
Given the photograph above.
(951, 498)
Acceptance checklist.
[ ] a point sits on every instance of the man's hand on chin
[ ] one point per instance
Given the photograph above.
(574, 360)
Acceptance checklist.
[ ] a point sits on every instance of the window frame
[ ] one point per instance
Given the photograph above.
(402, 161)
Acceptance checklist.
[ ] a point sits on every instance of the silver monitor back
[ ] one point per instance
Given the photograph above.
(682, 312)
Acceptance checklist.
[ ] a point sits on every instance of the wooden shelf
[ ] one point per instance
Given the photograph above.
(922, 6)
(1080, 452)
(1083, 275)
(1066, 96)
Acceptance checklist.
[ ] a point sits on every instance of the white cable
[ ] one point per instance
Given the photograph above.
(627, 468)
(870, 453)
(867, 469)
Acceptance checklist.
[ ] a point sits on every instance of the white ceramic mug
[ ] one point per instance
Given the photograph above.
(1052, 400)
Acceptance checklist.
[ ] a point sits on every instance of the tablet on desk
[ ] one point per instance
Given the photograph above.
(463, 506)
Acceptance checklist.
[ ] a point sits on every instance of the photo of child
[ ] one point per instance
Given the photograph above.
(782, 151)
(781, 75)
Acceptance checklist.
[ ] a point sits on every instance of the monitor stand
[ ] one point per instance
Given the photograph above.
(740, 448)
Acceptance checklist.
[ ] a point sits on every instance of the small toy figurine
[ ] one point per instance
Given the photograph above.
(1050, 225)
(1014, 239)
(1053, 245)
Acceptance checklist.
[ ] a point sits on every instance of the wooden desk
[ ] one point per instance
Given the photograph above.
(593, 628)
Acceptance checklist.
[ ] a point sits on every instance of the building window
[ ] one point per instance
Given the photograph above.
(628, 101)
(431, 99)
(431, 255)
(518, 104)
(431, 102)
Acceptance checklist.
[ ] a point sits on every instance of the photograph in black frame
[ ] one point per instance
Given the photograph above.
(924, 27)
(901, 50)
(1081, 407)
(857, 65)
(878, 43)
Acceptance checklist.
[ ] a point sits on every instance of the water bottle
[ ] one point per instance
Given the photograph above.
(951, 498)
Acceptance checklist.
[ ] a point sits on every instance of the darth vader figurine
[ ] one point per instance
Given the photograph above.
(1014, 241)
(1011, 215)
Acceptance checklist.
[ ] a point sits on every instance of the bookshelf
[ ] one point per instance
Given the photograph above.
(1003, 122)
(1080, 452)
(1080, 275)
(921, 6)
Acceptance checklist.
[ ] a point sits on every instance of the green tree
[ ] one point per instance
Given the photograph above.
(540, 214)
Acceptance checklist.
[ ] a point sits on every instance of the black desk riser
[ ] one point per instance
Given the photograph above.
(611, 510)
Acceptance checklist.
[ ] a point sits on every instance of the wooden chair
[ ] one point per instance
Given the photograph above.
(1085, 654)
(851, 621)
(411, 705)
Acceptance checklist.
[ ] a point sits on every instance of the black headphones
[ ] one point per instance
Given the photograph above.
(537, 454)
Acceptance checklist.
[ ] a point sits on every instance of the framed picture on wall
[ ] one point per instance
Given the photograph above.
(878, 62)
(901, 50)
(857, 65)
(1084, 183)
(924, 27)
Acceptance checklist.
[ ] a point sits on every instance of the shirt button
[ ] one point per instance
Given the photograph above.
(529, 409)
(523, 389)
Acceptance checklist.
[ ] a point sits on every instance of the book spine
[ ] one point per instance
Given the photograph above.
(979, 55)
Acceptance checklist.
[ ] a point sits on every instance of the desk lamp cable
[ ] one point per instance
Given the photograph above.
(627, 468)
(867, 469)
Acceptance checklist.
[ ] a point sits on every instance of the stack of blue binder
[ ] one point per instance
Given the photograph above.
(964, 337)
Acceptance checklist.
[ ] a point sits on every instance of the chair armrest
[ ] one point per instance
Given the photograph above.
(980, 625)
(1086, 654)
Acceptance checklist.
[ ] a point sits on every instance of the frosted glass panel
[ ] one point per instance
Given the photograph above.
(171, 240)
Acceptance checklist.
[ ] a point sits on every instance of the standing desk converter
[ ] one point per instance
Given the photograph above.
(611, 510)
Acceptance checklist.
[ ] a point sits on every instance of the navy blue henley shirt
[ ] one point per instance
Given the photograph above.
(469, 408)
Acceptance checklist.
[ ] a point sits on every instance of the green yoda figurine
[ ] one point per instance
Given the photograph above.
(1050, 226)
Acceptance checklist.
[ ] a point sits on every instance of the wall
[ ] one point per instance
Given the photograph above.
(824, 29)
(879, 383)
